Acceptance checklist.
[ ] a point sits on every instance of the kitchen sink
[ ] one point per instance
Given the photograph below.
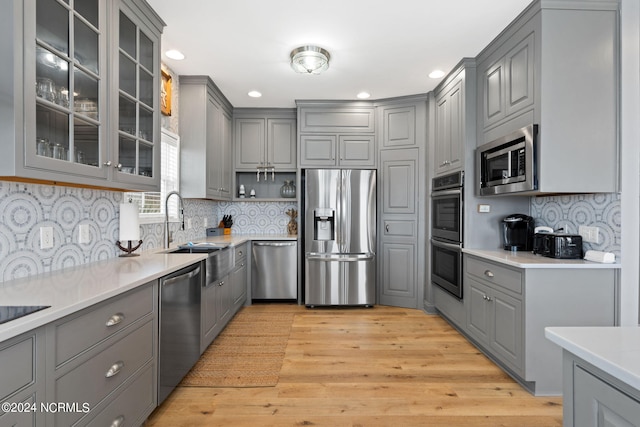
(219, 263)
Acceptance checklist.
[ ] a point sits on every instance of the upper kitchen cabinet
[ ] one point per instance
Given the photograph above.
(136, 156)
(60, 87)
(557, 66)
(336, 134)
(454, 117)
(265, 139)
(205, 140)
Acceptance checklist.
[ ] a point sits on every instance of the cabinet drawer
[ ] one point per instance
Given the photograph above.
(131, 405)
(495, 274)
(95, 379)
(17, 366)
(80, 333)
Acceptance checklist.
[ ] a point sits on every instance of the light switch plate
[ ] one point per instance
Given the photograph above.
(83, 234)
(484, 208)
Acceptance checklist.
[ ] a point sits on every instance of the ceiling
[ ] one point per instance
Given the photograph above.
(386, 48)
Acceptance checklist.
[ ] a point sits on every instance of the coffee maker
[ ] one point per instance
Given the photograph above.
(517, 232)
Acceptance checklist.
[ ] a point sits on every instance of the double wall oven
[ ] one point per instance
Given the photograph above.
(446, 232)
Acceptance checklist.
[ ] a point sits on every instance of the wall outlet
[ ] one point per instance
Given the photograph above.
(205, 222)
(188, 223)
(484, 208)
(589, 234)
(46, 237)
(83, 233)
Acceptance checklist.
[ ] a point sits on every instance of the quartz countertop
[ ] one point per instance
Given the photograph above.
(614, 349)
(72, 289)
(522, 259)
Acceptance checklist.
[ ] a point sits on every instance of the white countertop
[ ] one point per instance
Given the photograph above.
(522, 259)
(614, 349)
(75, 288)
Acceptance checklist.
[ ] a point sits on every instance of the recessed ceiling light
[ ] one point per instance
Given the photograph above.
(363, 95)
(174, 54)
(254, 94)
(436, 74)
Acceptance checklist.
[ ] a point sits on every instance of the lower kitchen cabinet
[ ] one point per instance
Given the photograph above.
(507, 309)
(22, 379)
(221, 299)
(99, 354)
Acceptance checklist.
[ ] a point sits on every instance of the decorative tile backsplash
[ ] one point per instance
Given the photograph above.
(24, 208)
(572, 211)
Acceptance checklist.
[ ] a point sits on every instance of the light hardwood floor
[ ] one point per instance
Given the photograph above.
(383, 366)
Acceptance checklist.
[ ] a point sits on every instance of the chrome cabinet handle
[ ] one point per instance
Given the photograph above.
(489, 299)
(488, 273)
(486, 298)
(107, 163)
(118, 166)
(115, 319)
(239, 253)
(386, 227)
(114, 369)
(118, 421)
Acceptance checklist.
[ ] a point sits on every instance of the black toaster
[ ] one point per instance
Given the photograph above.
(558, 245)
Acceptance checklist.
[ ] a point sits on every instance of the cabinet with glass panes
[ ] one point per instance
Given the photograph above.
(78, 113)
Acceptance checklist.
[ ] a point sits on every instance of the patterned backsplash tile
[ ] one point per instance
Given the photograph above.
(24, 208)
(572, 211)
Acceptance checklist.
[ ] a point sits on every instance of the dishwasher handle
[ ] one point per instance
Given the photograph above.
(276, 244)
(181, 277)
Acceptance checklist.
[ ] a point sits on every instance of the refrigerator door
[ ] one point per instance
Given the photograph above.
(322, 210)
(342, 279)
(357, 209)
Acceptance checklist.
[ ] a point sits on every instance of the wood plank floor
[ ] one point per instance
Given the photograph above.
(383, 366)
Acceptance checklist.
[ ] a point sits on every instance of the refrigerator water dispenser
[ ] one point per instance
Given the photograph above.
(323, 224)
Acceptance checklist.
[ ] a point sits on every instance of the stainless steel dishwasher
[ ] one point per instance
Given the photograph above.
(274, 267)
(179, 326)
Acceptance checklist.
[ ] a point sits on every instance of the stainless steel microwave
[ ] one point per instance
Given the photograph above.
(508, 164)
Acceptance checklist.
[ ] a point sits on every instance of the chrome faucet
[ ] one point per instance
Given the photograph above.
(166, 216)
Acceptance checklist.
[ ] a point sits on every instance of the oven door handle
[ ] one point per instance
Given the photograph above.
(452, 246)
(440, 193)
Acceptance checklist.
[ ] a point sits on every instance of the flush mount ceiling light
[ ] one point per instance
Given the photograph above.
(309, 60)
(436, 74)
(174, 54)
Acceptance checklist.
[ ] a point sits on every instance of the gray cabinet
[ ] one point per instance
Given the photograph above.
(454, 118)
(101, 353)
(239, 277)
(593, 398)
(398, 237)
(336, 134)
(397, 126)
(265, 139)
(22, 378)
(507, 309)
(205, 123)
(57, 115)
(536, 72)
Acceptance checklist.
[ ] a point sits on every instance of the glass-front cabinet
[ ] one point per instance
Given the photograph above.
(82, 89)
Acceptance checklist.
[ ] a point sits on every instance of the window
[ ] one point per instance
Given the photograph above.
(152, 203)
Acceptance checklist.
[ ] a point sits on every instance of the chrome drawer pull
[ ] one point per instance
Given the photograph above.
(488, 273)
(115, 319)
(114, 369)
(118, 421)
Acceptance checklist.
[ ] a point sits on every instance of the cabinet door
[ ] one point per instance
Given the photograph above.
(238, 283)
(225, 155)
(598, 404)
(215, 151)
(357, 150)
(399, 174)
(209, 316)
(223, 301)
(443, 135)
(493, 97)
(281, 143)
(479, 314)
(250, 143)
(519, 76)
(136, 155)
(399, 127)
(318, 150)
(507, 328)
(398, 272)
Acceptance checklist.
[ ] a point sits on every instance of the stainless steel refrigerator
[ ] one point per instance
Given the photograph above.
(340, 237)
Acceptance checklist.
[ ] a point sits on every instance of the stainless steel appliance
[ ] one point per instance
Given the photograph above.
(558, 245)
(517, 232)
(340, 237)
(179, 326)
(447, 207)
(274, 270)
(508, 164)
(12, 312)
